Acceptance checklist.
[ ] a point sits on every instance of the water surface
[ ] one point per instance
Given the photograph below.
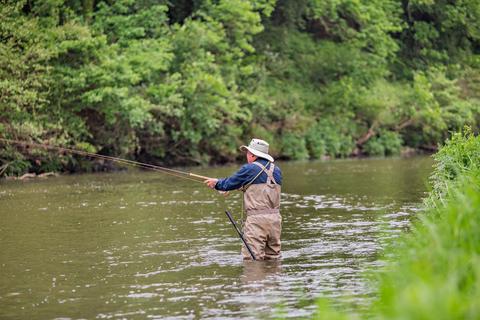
(144, 245)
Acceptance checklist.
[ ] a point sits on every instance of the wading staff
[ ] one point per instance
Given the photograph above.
(240, 234)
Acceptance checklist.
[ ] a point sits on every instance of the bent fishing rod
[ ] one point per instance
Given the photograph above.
(177, 173)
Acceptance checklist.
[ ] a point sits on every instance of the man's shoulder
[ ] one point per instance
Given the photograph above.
(277, 169)
(251, 166)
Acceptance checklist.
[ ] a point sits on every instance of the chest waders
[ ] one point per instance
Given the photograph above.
(245, 187)
(262, 198)
(261, 204)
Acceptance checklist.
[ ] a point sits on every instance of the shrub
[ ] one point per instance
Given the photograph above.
(386, 143)
(460, 155)
(294, 146)
(316, 145)
(374, 147)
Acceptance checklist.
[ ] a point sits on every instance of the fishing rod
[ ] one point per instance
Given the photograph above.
(177, 173)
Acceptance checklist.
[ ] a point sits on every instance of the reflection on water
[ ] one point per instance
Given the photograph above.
(142, 245)
(258, 271)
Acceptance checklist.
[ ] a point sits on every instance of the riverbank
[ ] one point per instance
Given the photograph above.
(433, 272)
(39, 161)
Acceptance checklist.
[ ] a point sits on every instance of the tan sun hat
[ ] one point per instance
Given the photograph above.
(259, 148)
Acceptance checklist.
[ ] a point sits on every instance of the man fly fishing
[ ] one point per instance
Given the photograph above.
(260, 180)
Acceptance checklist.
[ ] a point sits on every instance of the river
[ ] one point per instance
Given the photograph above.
(143, 245)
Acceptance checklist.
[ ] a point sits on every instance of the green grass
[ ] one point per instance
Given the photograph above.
(433, 272)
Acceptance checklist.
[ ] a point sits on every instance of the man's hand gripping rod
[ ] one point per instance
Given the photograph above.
(225, 193)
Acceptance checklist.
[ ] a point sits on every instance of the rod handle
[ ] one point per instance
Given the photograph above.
(198, 176)
(224, 193)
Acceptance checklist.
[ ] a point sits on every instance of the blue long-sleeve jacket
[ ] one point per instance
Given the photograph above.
(246, 173)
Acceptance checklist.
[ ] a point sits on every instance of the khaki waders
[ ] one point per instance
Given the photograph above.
(263, 225)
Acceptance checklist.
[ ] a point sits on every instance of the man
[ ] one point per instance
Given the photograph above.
(260, 180)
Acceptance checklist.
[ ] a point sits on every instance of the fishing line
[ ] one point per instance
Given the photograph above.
(172, 172)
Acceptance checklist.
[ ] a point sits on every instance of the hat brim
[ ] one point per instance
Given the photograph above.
(257, 153)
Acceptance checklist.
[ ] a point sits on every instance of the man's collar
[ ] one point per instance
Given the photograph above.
(262, 161)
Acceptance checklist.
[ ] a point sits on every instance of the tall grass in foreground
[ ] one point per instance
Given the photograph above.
(434, 271)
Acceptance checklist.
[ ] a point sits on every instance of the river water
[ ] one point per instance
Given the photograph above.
(142, 245)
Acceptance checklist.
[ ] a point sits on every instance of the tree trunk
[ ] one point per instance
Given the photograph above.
(370, 133)
(404, 124)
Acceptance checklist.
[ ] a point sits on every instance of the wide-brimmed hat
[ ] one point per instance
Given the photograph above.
(259, 148)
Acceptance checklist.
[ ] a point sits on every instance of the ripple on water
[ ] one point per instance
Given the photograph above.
(329, 202)
(134, 250)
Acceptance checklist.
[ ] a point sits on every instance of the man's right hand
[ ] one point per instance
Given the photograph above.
(211, 183)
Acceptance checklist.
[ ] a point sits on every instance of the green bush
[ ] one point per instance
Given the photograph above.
(328, 137)
(459, 156)
(13, 163)
(294, 146)
(385, 144)
(392, 142)
(374, 147)
(317, 147)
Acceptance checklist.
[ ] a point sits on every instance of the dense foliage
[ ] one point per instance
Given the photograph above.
(434, 271)
(187, 82)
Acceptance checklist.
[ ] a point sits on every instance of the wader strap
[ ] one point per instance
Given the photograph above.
(245, 187)
(270, 178)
